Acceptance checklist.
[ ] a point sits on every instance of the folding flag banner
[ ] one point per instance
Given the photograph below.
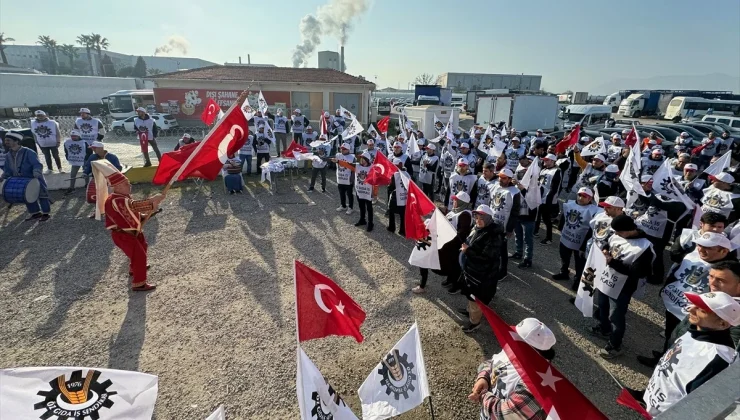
(398, 383)
(381, 171)
(531, 181)
(383, 124)
(720, 164)
(316, 398)
(572, 140)
(210, 112)
(76, 392)
(595, 264)
(594, 148)
(262, 104)
(425, 252)
(354, 129)
(346, 114)
(418, 205)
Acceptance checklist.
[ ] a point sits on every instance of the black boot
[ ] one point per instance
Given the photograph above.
(362, 222)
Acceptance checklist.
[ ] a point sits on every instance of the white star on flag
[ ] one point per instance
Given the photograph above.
(548, 379)
(340, 308)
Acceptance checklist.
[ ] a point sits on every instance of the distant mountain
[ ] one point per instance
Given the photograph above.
(714, 81)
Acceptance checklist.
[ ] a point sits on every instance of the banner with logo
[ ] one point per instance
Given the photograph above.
(425, 253)
(354, 129)
(262, 104)
(316, 398)
(594, 148)
(398, 383)
(59, 393)
(595, 264)
(346, 114)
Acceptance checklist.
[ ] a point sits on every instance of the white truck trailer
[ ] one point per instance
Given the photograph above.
(523, 112)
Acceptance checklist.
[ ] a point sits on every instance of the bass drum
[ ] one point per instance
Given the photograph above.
(91, 192)
(17, 190)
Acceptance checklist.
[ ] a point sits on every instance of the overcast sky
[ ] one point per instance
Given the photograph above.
(573, 44)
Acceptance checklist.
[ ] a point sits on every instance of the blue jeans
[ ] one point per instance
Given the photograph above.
(247, 159)
(613, 316)
(524, 228)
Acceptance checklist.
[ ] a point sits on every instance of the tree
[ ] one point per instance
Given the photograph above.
(127, 71)
(153, 72)
(107, 67)
(86, 41)
(139, 68)
(52, 47)
(71, 52)
(424, 79)
(3, 41)
(100, 44)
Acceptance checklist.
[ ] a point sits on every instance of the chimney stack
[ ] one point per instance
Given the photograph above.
(240, 59)
(341, 59)
(249, 59)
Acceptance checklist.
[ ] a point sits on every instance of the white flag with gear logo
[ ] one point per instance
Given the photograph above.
(594, 148)
(425, 253)
(398, 383)
(316, 398)
(76, 392)
(354, 129)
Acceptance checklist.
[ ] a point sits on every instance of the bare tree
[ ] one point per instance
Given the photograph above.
(424, 79)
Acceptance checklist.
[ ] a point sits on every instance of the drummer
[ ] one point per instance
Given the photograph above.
(22, 162)
(99, 152)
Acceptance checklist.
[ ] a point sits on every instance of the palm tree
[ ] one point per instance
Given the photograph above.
(86, 41)
(99, 43)
(71, 52)
(51, 46)
(3, 41)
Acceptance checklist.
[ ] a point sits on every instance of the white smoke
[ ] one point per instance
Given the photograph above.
(334, 18)
(174, 43)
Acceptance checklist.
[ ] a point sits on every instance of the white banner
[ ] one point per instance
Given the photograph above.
(666, 186)
(414, 147)
(425, 253)
(219, 414)
(630, 176)
(439, 126)
(372, 131)
(76, 392)
(316, 398)
(398, 383)
(720, 165)
(594, 148)
(346, 114)
(354, 129)
(595, 263)
(530, 180)
(262, 104)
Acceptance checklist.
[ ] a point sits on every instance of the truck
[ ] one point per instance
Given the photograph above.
(521, 111)
(471, 100)
(579, 98)
(645, 104)
(444, 94)
(61, 95)
(614, 99)
(423, 117)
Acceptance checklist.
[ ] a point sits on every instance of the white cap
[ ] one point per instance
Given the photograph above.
(711, 239)
(370, 141)
(484, 209)
(626, 131)
(462, 196)
(612, 169)
(585, 139)
(656, 151)
(345, 146)
(536, 334)
(723, 177)
(719, 303)
(85, 110)
(539, 130)
(646, 178)
(616, 136)
(297, 111)
(74, 133)
(600, 157)
(187, 136)
(586, 190)
(308, 127)
(367, 156)
(506, 172)
(464, 145)
(550, 156)
(420, 141)
(462, 162)
(431, 146)
(684, 134)
(97, 144)
(13, 135)
(39, 112)
(397, 161)
(477, 131)
(691, 167)
(612, 201)
(516, 139)
(141, 108)
(684, 155)
(398, 144)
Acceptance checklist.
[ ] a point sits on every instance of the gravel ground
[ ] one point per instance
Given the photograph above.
(220, 328)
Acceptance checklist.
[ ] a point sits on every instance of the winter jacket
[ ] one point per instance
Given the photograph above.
(482, 260)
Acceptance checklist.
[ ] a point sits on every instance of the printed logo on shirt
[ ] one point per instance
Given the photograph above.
(42, 131)
(361, 176)
(601, 230)
(573, 219)
(398, 375)
(86, 128)
(616, 252)
(77, 397)
(715, 201)
(424, 243)
(670, 359)
(694, 277)
(459, 186)
(75, 149)
(483, 193)
(318, 410)
(499, 200)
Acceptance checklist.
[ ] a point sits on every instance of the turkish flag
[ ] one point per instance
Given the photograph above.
(626, 399)
(206, 158)
(559, 398)
(324, 129)
(632, 138)
(323, 308)
(418, 205)
(144, 141)
(210, 112)
(570, 141)
(293, 146)
(381, 171)
(383, 124)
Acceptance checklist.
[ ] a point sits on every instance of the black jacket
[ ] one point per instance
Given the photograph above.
(482, 261)
(718, 364)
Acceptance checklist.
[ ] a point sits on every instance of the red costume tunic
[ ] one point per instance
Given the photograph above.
(123, 218)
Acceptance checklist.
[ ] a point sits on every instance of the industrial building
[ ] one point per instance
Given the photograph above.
(329, 60)
(184, 94)
(462, 82)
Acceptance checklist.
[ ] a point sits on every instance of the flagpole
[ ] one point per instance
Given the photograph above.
(431, 407)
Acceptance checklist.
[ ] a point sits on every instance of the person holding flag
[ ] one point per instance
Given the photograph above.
(147, 131)
(428, 170)
(398, 195)
(308, 137)
(574, 232)
(499, 388)
(363, 190)
(318, 163)
(526, 178)
(280, 123)
(262, 144)
(345, 178)
(448, 157)
(550, 180)
(721, 198)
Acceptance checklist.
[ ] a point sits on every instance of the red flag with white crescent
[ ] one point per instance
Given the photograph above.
(323, 308)
(144, 141)
(383, 124)
(418, 205)
(572, 140)
(381, 172)
(210, 112)
(206, 158)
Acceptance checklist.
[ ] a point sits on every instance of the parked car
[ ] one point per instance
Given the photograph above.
(164, 122)
(735, 132)
(733, 122)
(693, 132)
(706, 128)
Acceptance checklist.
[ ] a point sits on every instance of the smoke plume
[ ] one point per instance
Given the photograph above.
(334, 18)
(174, 43)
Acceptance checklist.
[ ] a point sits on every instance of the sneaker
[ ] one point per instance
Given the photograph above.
(34, 216)
(470, 328)
(610, 352)
(546, 241)
(418, 290)
(361, 223)
(525, 264)
(148, 164)
(596, 332)
(446, 283)
(44, 217)
(369, 227)
(349, 211)
(454, 290)
(340, 208)
(48, 171)
(515, 256)
(62, 171)
(561, 276)
(650, 362)
(323, 190)
(309, 190)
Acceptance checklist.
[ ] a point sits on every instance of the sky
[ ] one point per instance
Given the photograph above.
(574, 44)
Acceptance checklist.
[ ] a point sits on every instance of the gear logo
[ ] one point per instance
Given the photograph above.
(602, 230)
(398, 375)
(78, 398)
(318, 408)
(715, 201)
(670, 359)
(695, 278)
(361, 176)
(42, 131)
(424, 243)
(573, 219)
(86, 128)
(75, 149)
